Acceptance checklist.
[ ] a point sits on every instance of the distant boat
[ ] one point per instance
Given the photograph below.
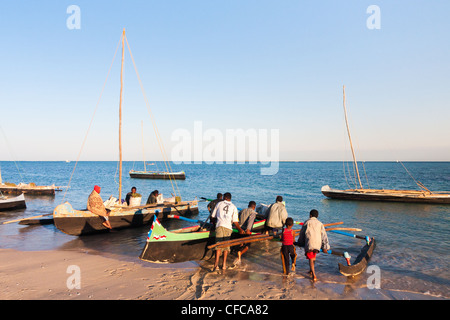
(12, 203)
(81, 222)
(157, 175)
(413, 196)
(28, 188)
(363, 194)
(161, 175)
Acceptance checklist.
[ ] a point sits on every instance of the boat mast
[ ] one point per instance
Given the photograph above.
(120, 118)
(143, 152)
(351, 145)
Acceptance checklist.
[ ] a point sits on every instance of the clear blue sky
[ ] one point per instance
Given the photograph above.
(231, 64)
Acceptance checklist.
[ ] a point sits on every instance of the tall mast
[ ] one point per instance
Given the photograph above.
(120, 118)
(143, 152)
(351, 145)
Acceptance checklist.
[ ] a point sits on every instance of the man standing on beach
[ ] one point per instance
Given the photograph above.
(96, 206)
(225, 214)
(313, 237)
(246, 219)
(277, 216)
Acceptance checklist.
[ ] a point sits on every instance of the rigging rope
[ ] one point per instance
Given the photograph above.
(92, 119)
(421, 186)
(155, 128)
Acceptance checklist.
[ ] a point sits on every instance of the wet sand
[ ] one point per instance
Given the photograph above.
(43, 275)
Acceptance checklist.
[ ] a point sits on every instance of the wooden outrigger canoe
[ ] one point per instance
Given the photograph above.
(83, 222)
(412, 196)
(361, 261)
(424, 195)
(186, 244)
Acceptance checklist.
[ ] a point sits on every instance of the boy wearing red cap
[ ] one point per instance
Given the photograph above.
(96, 206)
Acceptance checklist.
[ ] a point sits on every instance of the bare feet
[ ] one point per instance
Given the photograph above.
(106, 224)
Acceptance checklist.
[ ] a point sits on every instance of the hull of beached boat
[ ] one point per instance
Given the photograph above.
(31, 190)
(157, 175)
(361, 261)
(12, 203)
(410, 196)
(187, 244)
(83, 222)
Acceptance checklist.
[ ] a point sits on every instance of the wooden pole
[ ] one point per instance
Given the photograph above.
(120, 118)
(342, 229)
(351, 145)
(234, 242)
(143, 152)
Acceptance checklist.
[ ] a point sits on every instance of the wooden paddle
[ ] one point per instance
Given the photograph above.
(35, 217)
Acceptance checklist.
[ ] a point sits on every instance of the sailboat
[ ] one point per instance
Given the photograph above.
(164, 175)
(424, 195)
(81, 222)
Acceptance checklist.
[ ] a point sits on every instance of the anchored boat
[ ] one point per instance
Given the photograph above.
(29, 188)
(157, 175)
(424, 195)
(413, 196)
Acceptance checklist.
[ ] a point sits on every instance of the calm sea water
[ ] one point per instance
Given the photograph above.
(412, 239)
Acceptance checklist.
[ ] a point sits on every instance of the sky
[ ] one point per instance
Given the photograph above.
(235, 64)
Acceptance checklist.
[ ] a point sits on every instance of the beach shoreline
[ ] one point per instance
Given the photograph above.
(49, 275)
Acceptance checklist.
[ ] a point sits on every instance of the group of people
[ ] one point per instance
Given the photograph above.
(225, 215)
(95, 203)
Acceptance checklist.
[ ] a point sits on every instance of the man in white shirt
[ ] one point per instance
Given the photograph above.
(225, 214)
(277, 216)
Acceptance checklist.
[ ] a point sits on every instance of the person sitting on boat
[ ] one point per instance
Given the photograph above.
(130, 194)
(224, 216)
(246, 219)
(214, 202)
(153, 197)
(313, 238)
(96, 206)
(277, 216)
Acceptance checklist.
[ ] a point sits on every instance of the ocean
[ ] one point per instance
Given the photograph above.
(412, 253)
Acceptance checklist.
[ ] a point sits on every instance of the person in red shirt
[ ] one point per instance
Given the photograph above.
(287, 247)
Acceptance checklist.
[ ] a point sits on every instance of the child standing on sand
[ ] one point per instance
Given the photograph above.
(313, 238)
(287, 246)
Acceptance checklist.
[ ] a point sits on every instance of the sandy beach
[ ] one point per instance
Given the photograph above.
(48, 275)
